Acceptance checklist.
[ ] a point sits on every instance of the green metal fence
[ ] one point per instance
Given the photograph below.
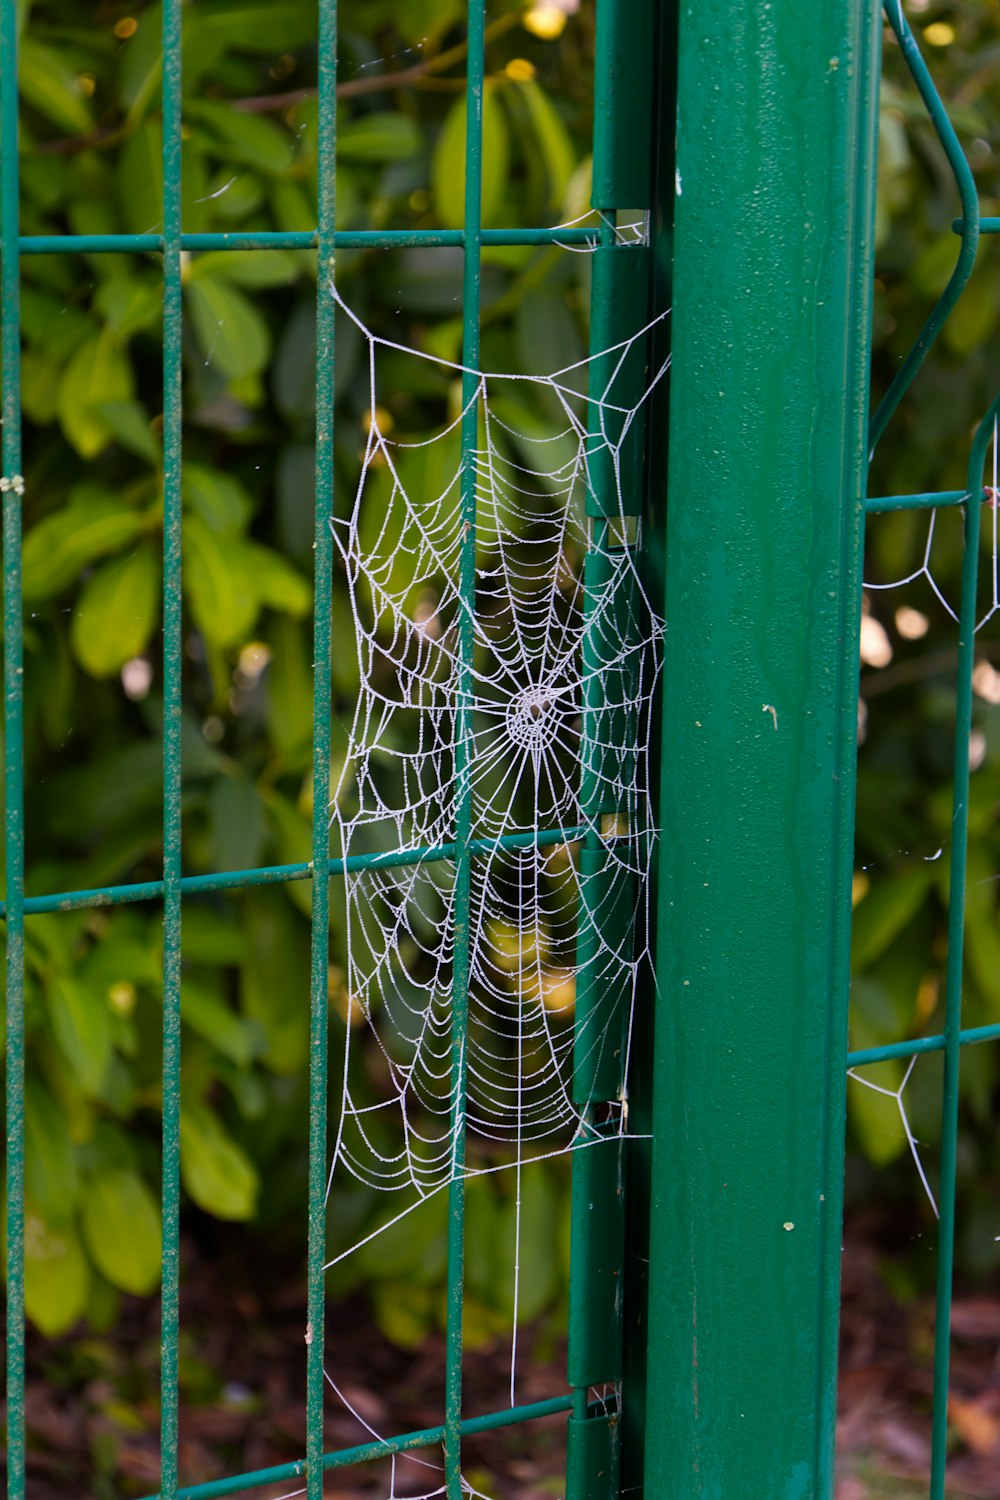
(623, 90)
(762, 240)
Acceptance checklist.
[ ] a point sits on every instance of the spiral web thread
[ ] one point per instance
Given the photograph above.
(545, 444)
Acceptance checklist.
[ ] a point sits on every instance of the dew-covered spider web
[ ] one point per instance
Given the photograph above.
(556, 697)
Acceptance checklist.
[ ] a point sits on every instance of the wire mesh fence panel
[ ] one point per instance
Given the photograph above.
(947, 587)
(468, 726)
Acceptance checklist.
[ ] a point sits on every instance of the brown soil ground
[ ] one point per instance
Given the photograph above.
(92, 1405)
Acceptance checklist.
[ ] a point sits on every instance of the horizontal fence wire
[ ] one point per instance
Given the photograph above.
(933, 500)
(342, 1458)
(299, 239)
(237, 880)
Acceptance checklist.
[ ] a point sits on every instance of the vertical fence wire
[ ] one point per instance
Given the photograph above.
(955, 961)
(172, 625)
(952, 1036)
(322, 590)
(13, 722)
(464, 749)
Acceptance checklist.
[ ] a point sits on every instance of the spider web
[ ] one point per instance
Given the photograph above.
(877, 652)
(925, 570)
(547, 772)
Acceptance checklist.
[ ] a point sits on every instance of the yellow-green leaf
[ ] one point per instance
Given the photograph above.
(93, 524)
(98, 373)
(116, 612)
(448, 166)
(121, 1227)
(56, 1275)
(231, 333)
(51, 87)
(217, 1173)
(220, 591)
(82, 1025)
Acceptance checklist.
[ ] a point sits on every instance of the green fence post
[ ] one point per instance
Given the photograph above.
(772, 287)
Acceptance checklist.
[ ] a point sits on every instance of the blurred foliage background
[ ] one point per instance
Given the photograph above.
(90, 163)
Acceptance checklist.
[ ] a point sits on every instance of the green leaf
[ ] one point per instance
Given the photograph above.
(81, 1022)
(131, 427)
(379, 137)
(211, 938)
(293, 369)
(237, 823)
(278, 584)
(97, 374)
(884, 912)
(93, 524)
(289, 690)
(548, 338)
(253, 268)
(218, 499)
(115, 615)
(555, 146)
(419, 19)
(294, 839)
(255, 25)
(224, 603)
(983, 952)
(414, 1247)
(49, 85)
(56, 1275)
(251, 139)
(208, 1015)
(140, 69)
(405, 1313)
(129, 305)
(231, 333)
(140, 179)
(274, 975)
(292, 206)
(50, 1173)
(973, 320)
(448, 164)
(537, 1280)
(217, 1173)
(39, 387)
(121, 1229)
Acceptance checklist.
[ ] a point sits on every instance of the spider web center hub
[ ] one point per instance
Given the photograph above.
(532, 718)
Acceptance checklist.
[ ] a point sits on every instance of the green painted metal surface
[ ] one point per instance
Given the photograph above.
(623, 92)
(592, 1463)
(772, 277)
(597, 1286)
